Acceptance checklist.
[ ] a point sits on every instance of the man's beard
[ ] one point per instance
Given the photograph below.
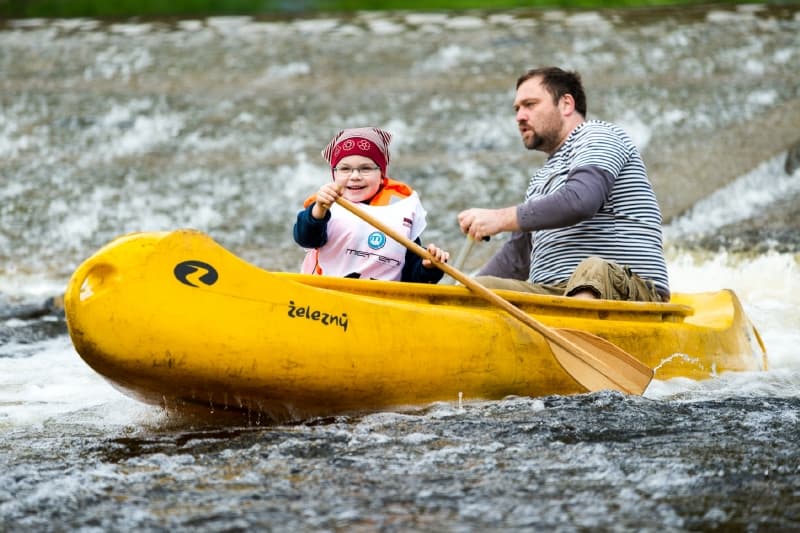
(545, 138)
(546, 141)
(534, 143)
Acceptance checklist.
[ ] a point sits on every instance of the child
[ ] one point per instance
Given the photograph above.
(341, 244)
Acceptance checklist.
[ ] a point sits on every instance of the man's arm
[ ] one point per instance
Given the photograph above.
(582, 195)
(580, 198)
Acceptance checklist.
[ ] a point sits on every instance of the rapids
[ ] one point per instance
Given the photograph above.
(109, 127)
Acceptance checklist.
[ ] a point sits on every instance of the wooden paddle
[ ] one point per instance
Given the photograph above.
(593, 362)
(466, 248)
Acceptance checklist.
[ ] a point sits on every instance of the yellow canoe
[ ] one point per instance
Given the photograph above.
(174, 319)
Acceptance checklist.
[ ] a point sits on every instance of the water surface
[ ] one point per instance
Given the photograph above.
(217, 124)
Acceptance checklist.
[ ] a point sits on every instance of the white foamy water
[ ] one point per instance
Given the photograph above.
(768, 286)
(750, 194)
(54, 384)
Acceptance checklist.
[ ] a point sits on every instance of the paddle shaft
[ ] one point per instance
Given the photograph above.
(548, 333)
(469, 242)
(466, 248)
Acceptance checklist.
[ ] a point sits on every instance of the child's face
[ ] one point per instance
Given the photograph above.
(362, 185)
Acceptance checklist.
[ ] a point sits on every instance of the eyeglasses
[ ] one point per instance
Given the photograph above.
(348, 171)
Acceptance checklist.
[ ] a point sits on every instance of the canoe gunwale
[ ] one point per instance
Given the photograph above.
(536, 304)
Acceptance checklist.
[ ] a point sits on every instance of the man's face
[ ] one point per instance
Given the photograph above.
(539, 120)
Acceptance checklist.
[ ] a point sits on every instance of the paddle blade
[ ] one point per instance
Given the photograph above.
(601, 365)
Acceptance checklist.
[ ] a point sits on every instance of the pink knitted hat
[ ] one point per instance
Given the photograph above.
(367, 142)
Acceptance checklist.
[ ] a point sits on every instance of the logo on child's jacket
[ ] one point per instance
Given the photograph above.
(376, 240)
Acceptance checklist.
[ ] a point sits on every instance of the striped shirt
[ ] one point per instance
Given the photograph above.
(625, 228)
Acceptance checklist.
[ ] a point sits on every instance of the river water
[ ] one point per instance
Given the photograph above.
(217, 124)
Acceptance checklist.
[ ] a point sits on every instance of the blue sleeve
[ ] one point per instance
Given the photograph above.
(579, 198)
(310, 232)
(413, 270)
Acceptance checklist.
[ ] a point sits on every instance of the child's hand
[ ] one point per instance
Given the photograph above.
(326, 197)
(438, 254)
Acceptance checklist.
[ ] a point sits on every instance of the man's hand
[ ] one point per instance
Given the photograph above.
(479, 223)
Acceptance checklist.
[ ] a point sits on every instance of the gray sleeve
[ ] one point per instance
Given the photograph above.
(579, 198)
(512, 260)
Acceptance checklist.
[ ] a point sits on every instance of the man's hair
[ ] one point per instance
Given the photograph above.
(559, 82)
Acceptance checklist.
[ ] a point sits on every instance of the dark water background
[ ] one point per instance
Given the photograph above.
(217, 123)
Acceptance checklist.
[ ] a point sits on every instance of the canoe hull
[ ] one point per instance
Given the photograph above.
(174, 318)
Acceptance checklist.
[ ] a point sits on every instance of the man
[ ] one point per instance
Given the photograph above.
(590, 225)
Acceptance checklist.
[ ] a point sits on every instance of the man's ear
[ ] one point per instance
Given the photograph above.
(567, 104)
